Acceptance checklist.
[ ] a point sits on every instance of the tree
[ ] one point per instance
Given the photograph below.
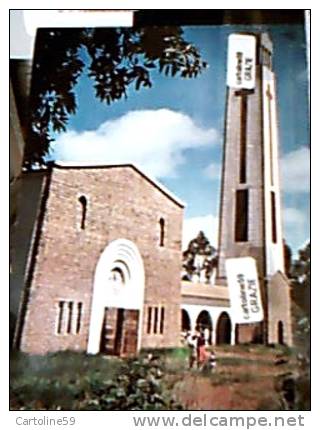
(199, 257)
(295, 387)
(301, 287)
(287, 258)
(117, 59)
(301, 279)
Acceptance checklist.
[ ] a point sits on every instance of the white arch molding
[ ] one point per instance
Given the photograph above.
(122, 255)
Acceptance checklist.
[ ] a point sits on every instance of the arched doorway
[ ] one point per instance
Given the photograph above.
(223, 330)
(204, 322)
(280, 333)
(185, 321)
(117, 302)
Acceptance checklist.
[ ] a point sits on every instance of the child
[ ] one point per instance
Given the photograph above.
(212, 361)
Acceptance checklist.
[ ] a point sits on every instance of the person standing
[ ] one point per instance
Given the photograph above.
(192, 344)
(201, 350)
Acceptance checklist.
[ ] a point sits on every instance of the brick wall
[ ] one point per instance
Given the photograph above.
(121, 203)
(279, 310)
(22, 233)
(254, 246)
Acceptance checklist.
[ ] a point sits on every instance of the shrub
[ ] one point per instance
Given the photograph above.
(75, 381)
(294, 391)
(139, 387)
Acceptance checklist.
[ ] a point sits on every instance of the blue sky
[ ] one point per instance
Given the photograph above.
(174, 130)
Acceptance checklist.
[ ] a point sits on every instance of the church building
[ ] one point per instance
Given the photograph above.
(98, 249)
(104, 273)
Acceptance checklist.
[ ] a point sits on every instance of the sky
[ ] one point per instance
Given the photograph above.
(174, 131)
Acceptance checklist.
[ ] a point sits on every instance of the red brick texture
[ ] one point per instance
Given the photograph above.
(121, 203)
(279, 310)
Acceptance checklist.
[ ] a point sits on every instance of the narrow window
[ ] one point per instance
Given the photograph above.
(241, 219)
(243, 138)
(269, 96)
(149, 319)
(69, 326)
(273, 217)
(155, 321)
(267, 58)
(79, 316)
(161, 223)
(83, 202)
(161, 319)
(60, 317)
(280, 333)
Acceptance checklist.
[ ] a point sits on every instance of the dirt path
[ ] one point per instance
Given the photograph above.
(198, 393)
(243, 380)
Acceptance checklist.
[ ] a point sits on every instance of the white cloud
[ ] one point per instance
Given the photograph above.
(154, 140)
(207, 223)
(293, 217)
(295, 170)
(213, 171)
(295, 222)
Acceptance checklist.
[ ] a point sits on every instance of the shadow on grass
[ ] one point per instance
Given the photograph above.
(76, 381)
(56, 381)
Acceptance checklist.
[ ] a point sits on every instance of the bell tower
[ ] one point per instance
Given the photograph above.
(250, 208)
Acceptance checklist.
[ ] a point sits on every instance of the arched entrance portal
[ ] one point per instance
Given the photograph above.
(117, 303)
(223, 331)
(204, 322)
(185, 321)
(280, 333)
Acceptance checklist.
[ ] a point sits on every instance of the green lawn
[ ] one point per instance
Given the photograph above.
(76, 381)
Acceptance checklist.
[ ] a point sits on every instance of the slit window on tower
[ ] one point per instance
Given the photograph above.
(266, 58)
(243, 138)
(241, 216)
(83, 202)
(273, 217)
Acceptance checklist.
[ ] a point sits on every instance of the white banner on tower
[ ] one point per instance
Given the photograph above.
(244, 290)
(241, 67)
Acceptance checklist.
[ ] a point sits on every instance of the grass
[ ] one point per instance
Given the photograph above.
(240, 361)
(67, 365)
(67, 380)
(257, 349)
(56, 381)
(244, 378)
(227, 377)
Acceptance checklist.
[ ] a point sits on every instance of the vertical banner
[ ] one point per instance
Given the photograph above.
(244, 290)
(241, 67)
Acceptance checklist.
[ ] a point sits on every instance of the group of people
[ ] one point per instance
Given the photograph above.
(198, 353)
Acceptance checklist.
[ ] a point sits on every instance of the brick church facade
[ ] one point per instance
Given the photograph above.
(96, 250)
(81, 212)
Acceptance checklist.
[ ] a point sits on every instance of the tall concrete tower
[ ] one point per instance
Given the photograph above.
(250, 207)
